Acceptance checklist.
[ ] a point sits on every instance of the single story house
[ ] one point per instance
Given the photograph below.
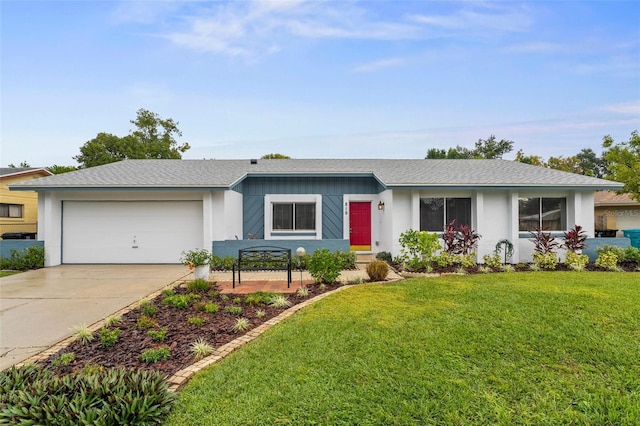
(149, 211)
(615, 213)
(19, 210)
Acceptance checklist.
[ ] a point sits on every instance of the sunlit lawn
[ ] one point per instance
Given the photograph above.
(520, 348)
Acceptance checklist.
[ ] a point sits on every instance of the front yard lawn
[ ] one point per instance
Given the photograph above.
(526, 348)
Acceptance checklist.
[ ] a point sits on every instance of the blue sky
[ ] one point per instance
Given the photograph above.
(319, 79)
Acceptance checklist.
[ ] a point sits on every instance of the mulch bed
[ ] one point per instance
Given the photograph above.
(217, 330)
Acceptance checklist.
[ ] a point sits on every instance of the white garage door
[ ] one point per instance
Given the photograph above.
(129, 231)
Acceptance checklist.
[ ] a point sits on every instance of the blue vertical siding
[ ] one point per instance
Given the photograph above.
(332, 190)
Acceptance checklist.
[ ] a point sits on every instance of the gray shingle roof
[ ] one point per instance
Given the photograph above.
(181, 174)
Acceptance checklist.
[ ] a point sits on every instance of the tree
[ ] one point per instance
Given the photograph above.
(275, 156)
(624, 163)
(56, 170)
(490, 148)
(153, 138)
(534, 160)
(23, 165)
(591, 164)
(484, 149)
(566, 164)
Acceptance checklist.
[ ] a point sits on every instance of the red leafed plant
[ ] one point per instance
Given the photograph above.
(543, 241)
(460, 240)
(575, 239)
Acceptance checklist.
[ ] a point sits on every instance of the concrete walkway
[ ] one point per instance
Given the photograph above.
(38, 308)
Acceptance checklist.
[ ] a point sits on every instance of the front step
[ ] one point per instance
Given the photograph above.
(365, 258)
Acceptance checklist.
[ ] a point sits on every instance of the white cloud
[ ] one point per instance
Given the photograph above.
(625, 108)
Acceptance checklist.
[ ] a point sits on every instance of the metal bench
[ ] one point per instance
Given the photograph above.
(262, 258)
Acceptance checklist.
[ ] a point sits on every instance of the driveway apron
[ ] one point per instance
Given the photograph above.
(38, 308)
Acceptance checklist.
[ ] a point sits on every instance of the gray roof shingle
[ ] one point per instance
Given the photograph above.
(393, 173)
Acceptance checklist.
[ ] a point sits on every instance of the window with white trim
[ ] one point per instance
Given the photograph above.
(11, 210)
(294, 216)
(436, 213)
(548, 214)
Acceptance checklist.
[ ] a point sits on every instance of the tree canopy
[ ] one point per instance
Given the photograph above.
(624, 162)
(152, 138)
(275, 156)
(484, 149)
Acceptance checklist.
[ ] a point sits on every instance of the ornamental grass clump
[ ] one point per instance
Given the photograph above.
(201, 349)
(279, 301)
(82, 334)
(241, 324)
(199, 285)
(377, 270)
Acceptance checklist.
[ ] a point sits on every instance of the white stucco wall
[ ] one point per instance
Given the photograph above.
(494, 217)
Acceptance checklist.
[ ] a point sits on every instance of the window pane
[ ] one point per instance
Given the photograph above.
(305, 216)
(460, 210)
(432, 214)
(528, 214)
(283, 216)
(554, 214)
(4, 210)
(15, 210)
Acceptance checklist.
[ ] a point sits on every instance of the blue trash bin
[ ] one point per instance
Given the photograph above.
(633, 235)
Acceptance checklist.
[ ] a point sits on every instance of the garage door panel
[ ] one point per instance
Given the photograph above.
(130, 231)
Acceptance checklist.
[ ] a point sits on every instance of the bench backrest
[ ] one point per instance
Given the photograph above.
(264, 257)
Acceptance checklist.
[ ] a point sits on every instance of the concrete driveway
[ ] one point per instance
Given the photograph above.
(37, 308)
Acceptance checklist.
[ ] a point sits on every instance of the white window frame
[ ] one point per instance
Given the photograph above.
(275, 234)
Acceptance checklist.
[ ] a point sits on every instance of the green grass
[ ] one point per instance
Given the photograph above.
(526, 348)
(7, 273)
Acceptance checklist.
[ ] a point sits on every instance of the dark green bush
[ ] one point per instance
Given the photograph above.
(153, 355)
(109, 337)
(324, 267)
(34, 395)
(347, 259)
(23, 260)
(385, 256)
(218, 263)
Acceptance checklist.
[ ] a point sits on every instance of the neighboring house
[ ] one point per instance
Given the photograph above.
(19, 210)
(149, 211)
(615, 213)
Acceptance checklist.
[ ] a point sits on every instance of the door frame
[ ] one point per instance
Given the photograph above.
(371, 198)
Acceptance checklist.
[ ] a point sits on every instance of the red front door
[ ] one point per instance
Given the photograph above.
(360, 226)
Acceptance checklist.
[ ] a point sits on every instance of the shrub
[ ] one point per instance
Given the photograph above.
(258, 298)
(446, 259)
(632, 254)
(148, 308)
(178, 301)
(575, 239)
(575, 261)
(346, 259)
(35, 395)
(418, 246)
(233, 310)
(109, 337)
(201, 349)
(82, 334)
(211, 308)
(377, 270)
(324, 267)
(146, 322)
(385, 256)
(198, 285)
(507, 268)
(493, 260)
(197, 257)
(221, 263)
(468, 260)
(543, 242)
(23, 260)
(153, 355)
(242, 324)
(237, 300)
(63, 359)
(158, 335)
(607, 260)
(197, 321)
(460, 240)
(545, 260)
